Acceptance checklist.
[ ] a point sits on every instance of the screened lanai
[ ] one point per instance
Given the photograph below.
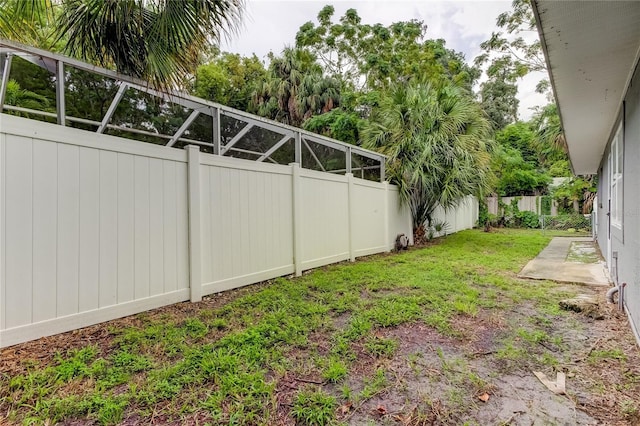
(41, 85)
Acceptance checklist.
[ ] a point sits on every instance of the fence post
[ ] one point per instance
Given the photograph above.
(297, 218)
(387, 245)
(193, 190)
(352, 219)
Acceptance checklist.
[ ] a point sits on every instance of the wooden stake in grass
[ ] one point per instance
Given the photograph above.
(557, 387)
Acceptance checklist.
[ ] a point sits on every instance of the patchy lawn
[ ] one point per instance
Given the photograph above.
(444, 334)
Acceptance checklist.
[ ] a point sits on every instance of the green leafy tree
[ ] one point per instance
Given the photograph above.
(438, 145)
(229, 79)
(521, 137)
(509, 50)
(515, 176)
(576, 194)
(499, 100)
(338, 124)
(374, 56)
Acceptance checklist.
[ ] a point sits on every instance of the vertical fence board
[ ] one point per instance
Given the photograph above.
(182, 222)
(156, 227)
(108, 228)
(205, 223)
(142, 234)
(3, 233)
(170, 226)
(18, 232)
(45, 221)
(89, 245)
(235, 222)
(68, 229)
(126, 228)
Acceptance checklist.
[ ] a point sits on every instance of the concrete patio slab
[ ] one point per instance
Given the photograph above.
(570, 260)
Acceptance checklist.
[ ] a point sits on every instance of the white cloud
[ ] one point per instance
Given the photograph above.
(270, 25)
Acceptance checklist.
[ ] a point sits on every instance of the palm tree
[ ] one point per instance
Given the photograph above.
(437, 141)
(157, 40)
(29, 22)
(552, 146)
(550, 141)
(296, 89)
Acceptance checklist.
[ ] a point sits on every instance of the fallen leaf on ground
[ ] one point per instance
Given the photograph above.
(345, 408)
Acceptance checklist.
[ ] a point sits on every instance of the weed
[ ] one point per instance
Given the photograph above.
(219, 323)
(380, 347)
(535, 336)
(314, 407)
(606, 355)
(346, 392)
(628, 408)
(335, 371)
(76, 364)
(373, 385)
(195, 328)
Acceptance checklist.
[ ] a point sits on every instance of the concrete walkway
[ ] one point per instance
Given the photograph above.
(564, 260)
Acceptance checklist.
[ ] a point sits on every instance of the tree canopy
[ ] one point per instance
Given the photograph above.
(390, 88)
(374, 56)
(438, 143)
(157, 40)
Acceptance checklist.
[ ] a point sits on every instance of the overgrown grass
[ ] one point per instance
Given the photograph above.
(225, 363)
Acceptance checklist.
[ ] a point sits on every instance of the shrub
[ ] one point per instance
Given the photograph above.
(527, 220)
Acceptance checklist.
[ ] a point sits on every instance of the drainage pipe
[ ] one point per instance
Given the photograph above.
(620, 290)
(612, 291)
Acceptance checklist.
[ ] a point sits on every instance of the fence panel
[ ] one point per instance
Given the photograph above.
(324, 215)
(92, 228)
(399, 217)
(246, 217)
(370, 216)
(526, 203)
(464, 216)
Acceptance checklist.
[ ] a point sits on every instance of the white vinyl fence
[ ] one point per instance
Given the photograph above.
(464, 216)
(526, 203)
(95, 227)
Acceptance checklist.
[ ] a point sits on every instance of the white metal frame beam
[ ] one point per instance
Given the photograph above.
(56, 64)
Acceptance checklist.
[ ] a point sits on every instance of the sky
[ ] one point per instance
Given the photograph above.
(270, 25)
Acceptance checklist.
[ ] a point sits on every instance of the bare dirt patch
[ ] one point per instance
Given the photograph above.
(434, 379)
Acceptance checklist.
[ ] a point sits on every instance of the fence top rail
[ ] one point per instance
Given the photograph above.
(50, 59)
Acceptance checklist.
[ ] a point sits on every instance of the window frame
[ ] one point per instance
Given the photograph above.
(616, 174)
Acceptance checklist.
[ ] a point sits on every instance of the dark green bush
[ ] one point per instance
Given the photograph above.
(526, 220)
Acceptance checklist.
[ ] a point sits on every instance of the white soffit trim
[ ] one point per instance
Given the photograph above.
(592, 50)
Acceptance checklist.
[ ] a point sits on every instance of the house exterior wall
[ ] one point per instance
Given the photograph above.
(625, 241)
